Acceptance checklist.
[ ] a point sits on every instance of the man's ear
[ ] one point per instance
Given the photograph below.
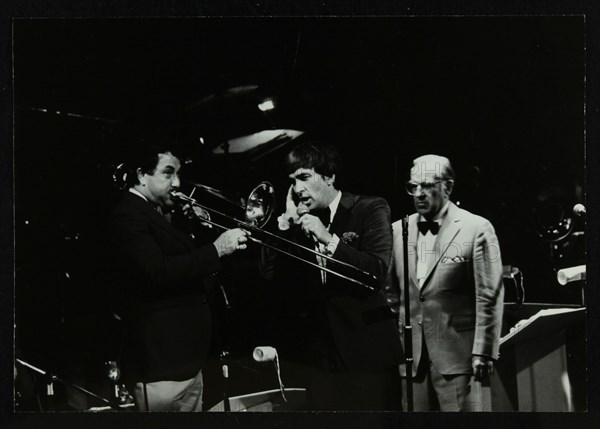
(141, 177)
(330, 180)
(449, 186)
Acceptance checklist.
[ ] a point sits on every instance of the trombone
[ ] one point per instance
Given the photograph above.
(258, 210)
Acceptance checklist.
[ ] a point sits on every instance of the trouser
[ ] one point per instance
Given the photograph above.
(355, 391)
(333, 387)
(170, 395)
(433, 391)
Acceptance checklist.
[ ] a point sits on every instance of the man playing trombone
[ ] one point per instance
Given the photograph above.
(164, 278)
(354, 346)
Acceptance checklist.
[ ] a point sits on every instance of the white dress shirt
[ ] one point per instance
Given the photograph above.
(428, 251)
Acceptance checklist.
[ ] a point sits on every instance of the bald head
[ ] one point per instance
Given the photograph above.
(428, 168)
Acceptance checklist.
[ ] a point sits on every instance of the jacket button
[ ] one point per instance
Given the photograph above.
(419, 323)
(421, 298)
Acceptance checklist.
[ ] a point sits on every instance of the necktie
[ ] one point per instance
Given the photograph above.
(164, 213)
(429, 225)
(324, 216)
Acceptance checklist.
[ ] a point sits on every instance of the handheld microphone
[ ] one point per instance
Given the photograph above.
(301, 211)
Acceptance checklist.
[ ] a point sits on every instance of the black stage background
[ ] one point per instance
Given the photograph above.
(502, 97)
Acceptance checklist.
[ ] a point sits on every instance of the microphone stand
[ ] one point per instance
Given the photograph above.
(407, 322)
(225, 371)
(51, 378)
(224, 355)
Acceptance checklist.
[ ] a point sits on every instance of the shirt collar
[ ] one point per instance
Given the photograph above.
(334, 206)
(138, 193)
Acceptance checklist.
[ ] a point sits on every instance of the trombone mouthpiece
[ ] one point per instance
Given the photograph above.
(181, 198)
(178, 195)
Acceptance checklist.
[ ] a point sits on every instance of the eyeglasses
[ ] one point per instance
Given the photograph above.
(426, 187)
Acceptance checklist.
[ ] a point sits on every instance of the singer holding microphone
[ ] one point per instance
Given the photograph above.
(353, 342)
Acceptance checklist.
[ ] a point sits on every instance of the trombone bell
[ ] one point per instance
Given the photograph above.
(257, 209)
(260, 204)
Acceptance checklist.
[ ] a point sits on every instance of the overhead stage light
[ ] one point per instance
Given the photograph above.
(266, 105)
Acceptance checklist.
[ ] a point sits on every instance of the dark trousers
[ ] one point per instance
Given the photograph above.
(332, 386)
(355, 391)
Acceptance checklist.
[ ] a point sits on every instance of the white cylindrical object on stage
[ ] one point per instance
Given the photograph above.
(567, 275)
(264, 354)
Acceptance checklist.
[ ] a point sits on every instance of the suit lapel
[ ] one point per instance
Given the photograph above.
(158, 219)
(412, 247)
(343, 214)
(448, 230)
(341, 219)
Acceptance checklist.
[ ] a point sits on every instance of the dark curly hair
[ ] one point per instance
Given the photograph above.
(145, 158)
(325, 159)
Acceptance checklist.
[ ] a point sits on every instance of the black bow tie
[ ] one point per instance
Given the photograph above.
(324, 215)
(429, 225)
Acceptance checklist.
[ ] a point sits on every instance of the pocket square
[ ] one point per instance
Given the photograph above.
(349, 237)
(454, 260)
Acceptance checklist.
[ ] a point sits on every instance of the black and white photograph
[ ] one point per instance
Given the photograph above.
(300, 214)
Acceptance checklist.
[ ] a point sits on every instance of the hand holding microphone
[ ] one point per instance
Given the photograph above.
(312, 225)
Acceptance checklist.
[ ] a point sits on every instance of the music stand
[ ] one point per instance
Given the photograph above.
(532, 372)
(269, 400)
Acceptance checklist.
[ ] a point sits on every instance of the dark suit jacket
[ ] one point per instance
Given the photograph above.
(162, 275)
(458, 309)
(361, 324)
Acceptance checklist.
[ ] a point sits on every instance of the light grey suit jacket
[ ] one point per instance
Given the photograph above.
(458, 309)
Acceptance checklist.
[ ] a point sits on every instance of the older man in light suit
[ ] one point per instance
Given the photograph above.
(456, 294)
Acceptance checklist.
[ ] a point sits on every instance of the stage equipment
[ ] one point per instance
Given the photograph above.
(567, 275)
(514, 274)
(260, 139)
(532, 374)
(553, 220)
(579, 209)
(266, 401)
(50, 379)
(408, 352)
(269, 354)
(258, 209)
(271, 400)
